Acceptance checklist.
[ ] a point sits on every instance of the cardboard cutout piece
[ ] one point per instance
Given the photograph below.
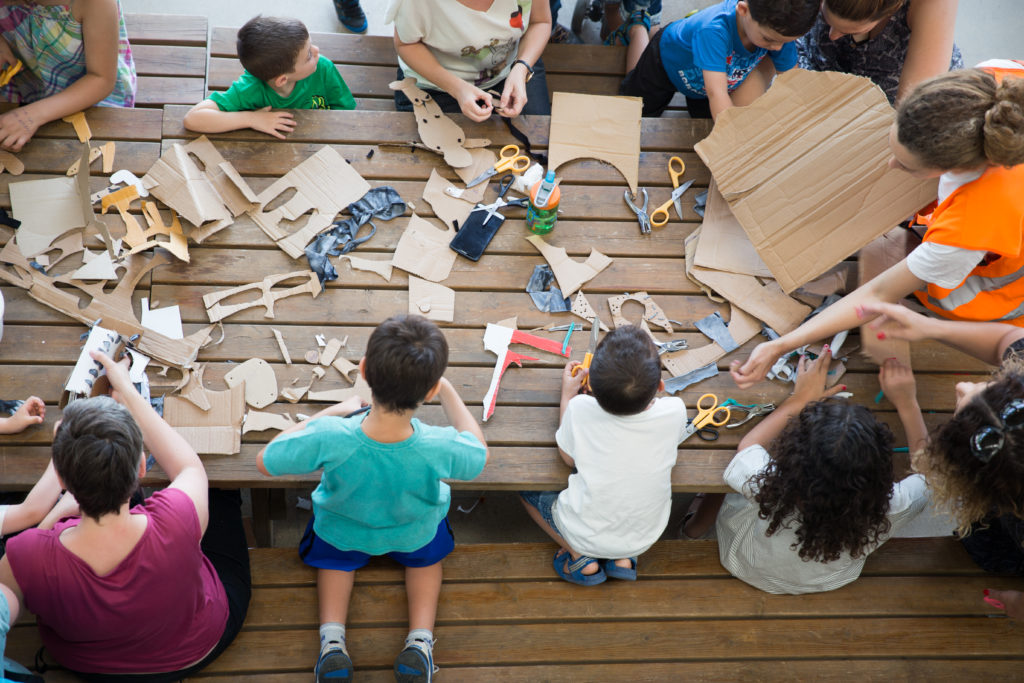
(596, 127)
(82, 129)
(94, 154)
(99, 267)
(723, 243)
(268, 297)
(108, 149)
(449, 209)
(382, 268)
(281, 345)
(423, 250)
(438, 132)
(11, 163)
(215, 431)
(258, 421)
(582, 308)
(47, 209)
(821, 188)
(653, 313)
(742, 328)
(571, 275)
(192, 388)
(176, 243)
(324, 184)
(348, 369)
(359, 388)
(497, 340)
(260, 382)
(166, 321)
(431, 300)
(330, 351)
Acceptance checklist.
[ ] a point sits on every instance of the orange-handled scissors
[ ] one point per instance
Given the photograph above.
(676, 169)
(713, 415)
(509, 159)
(595, 331)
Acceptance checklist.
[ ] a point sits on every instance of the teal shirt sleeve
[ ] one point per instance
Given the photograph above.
(338, 94)
(307, 450)
(245, 94)
(467, 456)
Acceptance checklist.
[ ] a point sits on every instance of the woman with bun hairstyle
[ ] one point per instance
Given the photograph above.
(965, 128)
(895, 43)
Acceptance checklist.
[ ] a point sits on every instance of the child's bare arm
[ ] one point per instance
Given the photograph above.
(754, 85)
(37, 504)
(474, 102)
(342, 409)
(31, 412)
(717, 87)
(100, 42)
(457, 412)
(207, 117)
(898, 383)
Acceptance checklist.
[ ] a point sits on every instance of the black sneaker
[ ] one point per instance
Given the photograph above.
(334, 666)
(560, 34)
(351, 15)
(415, 664)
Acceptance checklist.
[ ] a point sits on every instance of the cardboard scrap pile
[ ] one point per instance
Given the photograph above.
(779, 229)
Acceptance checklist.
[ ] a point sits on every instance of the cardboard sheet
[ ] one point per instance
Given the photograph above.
(47, 209)
(767, 303)
(177, 181)
(324, 184)
(596, 127)
(805, 171)
(723, 244)
(423, 250)
(215, 431)
(449, 209)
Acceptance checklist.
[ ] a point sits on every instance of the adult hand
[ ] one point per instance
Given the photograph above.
(895, 321)
(811, 377)
(117, 374)
(898, 383)
(474, 102)
(17, 127)
(31, 412)
(513, 97)
(275, 123)
(1010, 601)
(572, 385)
(748, 373)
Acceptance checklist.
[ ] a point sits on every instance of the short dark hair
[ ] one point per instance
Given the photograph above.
(789, 18)
(625, 373)
(405, 357)
(269, 46)
(96, 453)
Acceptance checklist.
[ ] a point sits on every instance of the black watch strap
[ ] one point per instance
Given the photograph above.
(529, 69)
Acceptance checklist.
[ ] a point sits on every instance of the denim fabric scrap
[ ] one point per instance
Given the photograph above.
(546, 295)
(380, 202)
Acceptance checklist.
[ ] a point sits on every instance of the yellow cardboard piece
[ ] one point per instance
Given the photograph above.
(596, 127)
(11, 163)
(81, 125)
(804, 169)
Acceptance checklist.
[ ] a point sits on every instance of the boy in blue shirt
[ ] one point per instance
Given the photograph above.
(283, 70)
(381, 491)
(716, 56)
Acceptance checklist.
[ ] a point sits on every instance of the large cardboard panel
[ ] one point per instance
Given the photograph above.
(805, 171)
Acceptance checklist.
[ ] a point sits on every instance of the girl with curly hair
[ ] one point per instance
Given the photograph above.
(965, 128)
(821, 497)
(975, 462)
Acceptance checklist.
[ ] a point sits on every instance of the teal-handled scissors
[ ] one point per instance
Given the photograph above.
(712, 415)
(509, 160)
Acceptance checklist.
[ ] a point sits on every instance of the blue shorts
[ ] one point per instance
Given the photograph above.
(544, 502)
(318, 553)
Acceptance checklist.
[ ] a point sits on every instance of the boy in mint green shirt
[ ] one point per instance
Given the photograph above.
(283, 70)
(382, 490)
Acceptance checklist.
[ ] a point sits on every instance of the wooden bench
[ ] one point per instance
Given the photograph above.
(915, 614)
(368, 64)
(170, 52)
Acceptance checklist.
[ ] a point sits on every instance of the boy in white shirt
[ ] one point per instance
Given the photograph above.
(622, 441)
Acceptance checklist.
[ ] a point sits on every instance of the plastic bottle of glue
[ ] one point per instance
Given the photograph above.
(542, 214)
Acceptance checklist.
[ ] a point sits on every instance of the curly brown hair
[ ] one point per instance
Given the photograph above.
(831, 475)
(970, 488)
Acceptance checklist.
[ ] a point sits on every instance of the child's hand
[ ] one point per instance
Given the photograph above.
(117, 374)
(31, 412)
(811, 377)
(17, 127)
(275, 123)
(748, 373)
(7, 56)
(572, 385)
(343, 409)
(475, 103)
(898, 383)
(895, 321)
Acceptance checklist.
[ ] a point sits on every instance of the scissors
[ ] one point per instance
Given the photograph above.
(671, 346)
(641, 212)
(752, 410)
(9, 72)
(595, 330)
(707, 417)
(513, 161)
(659, 216)
(503, 186)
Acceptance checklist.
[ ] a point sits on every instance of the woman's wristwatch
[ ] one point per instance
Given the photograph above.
(529, 69)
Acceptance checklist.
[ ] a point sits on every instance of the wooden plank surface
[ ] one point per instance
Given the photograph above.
(167, 29)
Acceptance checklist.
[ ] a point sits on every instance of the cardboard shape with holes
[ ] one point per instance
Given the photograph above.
(596, 127)
(323, 185)
(438, 132)
(805, 171)
(310, 284)
(259, 380)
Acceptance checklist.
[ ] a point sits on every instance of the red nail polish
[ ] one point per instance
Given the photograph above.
(881, 335)
(844, 387)
(985, 591)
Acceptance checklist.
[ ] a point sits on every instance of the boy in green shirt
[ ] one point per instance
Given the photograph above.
(381, 490)
(283, 70)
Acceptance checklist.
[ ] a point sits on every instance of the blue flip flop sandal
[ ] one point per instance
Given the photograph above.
(614, 571)
(573, 573)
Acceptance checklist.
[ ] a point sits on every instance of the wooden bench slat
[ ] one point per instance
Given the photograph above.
(106, 123)
(167, 29)
(169, 60)
(158, 91)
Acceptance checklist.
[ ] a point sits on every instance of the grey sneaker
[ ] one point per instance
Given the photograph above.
(415, 664)
(334, 666)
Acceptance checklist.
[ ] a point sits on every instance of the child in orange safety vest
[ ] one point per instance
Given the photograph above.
(965, 128)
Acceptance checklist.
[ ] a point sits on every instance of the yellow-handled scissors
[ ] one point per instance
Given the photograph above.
(9, 72)
(508, 160)
(712, 415)
(676, 169)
